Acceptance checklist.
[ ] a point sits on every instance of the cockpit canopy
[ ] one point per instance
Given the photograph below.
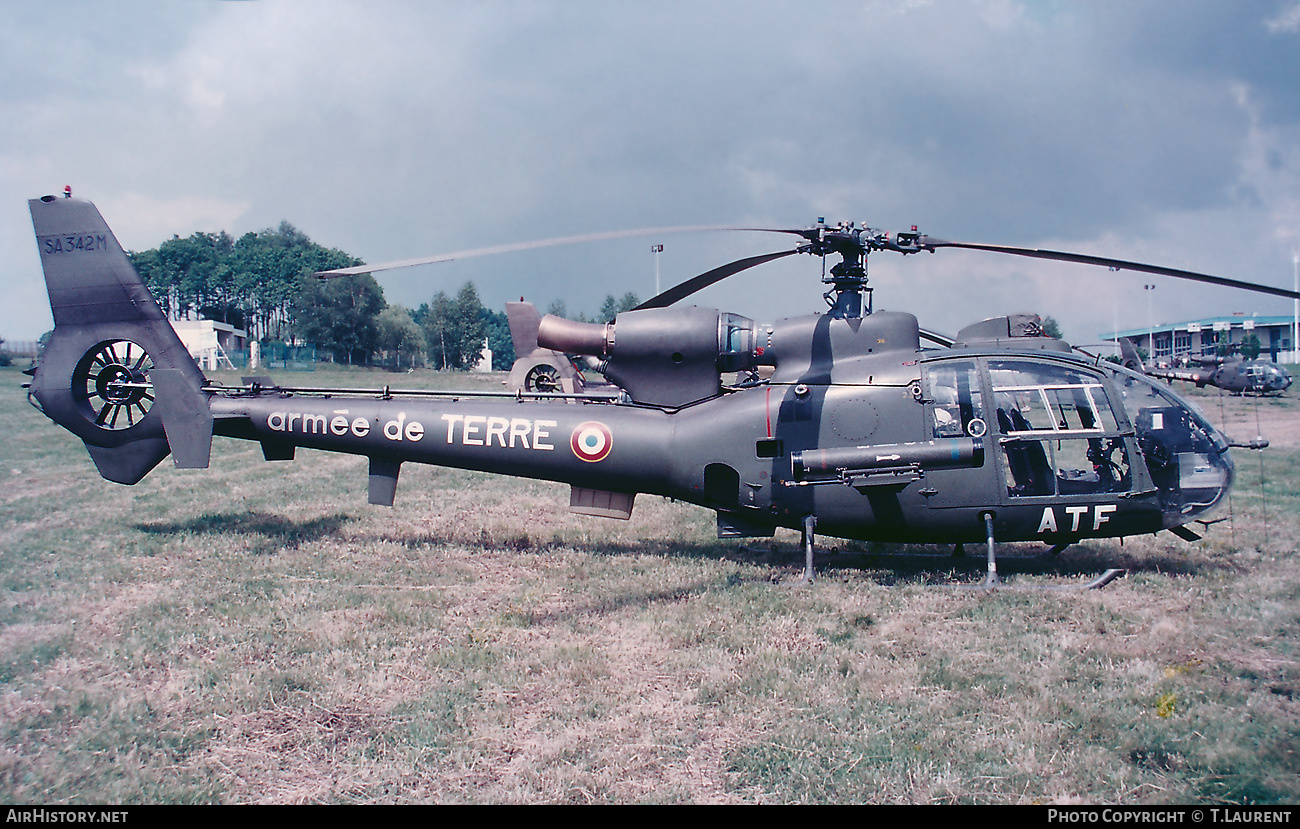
(1067, 429)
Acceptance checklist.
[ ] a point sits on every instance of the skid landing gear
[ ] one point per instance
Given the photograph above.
(809, 524)
(991, 579)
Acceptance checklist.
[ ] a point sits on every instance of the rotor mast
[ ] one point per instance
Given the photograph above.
(848, 277)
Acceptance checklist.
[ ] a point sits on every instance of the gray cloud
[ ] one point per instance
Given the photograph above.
(397, 129)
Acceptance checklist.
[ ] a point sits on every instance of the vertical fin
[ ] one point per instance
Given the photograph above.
(186, 418)
(96, 376)
(1128, 353)
(524, 321)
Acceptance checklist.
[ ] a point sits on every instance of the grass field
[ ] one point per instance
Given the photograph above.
(255, 632)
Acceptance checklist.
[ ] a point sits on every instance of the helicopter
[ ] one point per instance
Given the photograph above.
(836, 423)
(1233, 373)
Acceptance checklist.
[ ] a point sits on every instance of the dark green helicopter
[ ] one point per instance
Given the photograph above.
(1233, 373)
(839, 423)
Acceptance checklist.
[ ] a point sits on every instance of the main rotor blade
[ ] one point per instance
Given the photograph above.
(704, 280)
(930, 243)
(516, 246)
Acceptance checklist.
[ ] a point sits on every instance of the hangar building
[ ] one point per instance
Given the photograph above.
(1204, 336)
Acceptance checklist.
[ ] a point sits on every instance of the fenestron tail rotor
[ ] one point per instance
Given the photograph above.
(112, 384)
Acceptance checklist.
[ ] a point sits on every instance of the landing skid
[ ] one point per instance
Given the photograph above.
(807, 541)
(959, 551)
(809, 524)
(991, 579)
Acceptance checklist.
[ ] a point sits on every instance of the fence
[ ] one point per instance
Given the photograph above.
(279, 356)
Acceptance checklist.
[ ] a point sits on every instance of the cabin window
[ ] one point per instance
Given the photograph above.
(954, 388)
(1047, 398)
(1059, 434)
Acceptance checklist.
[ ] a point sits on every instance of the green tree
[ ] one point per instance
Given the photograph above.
(1051, 328)
(435, 318)
(454, 328)
(1250, 346)
(339, 315)
(468, 314)
(398, 336)
(249, 283)
(496, 327)
(608, 309)
(269, 268)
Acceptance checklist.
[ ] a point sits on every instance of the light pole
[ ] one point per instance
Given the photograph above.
(1114, 325)
(1151, 329)
(656, 250)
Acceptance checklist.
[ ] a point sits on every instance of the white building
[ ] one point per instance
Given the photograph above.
(1204, 336)
(484, 363)
(210, 342)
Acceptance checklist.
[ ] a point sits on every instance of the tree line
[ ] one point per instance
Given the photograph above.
(263, 284)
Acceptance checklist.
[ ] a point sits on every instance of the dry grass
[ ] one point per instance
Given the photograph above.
(256, 633)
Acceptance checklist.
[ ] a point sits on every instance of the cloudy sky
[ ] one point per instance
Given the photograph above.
(1166, 132)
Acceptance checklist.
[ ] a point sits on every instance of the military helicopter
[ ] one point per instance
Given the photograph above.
(838, 423)
(1233, 373)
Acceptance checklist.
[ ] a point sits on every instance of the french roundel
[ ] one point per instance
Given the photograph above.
(591, 441)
